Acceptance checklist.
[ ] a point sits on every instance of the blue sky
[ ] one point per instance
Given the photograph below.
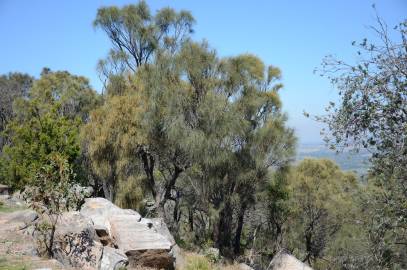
(293, 35)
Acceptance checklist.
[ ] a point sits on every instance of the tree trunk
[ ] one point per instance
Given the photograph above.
(225, 229)
(239, 229)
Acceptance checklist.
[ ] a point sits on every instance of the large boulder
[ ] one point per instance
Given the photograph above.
(142, 244)
(99, 210)
(285, 261)
(74, 242)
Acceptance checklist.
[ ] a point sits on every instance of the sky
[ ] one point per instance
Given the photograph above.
(294, 35)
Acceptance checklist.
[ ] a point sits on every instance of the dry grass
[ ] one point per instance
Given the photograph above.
(195, 261)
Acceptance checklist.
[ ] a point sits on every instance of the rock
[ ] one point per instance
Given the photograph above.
(75, 244)
(176, 253)
(19, 219)
(13, 201)
(4, 190)
(113, 259)
(243, 266)
(13, 240)
(159, 225)
(142, 244)
(285, 261)
(99, 210)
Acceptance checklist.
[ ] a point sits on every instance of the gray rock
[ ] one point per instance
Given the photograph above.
(160, 226)
(99, 210)
(243, 266)
(75, 244)
(113, 259)
(143, 245)
(285, 261)
(19, 219)
(179, 260)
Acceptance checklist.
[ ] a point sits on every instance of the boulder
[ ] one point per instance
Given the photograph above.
(142, 244)
(285, 261)
(13, 240)
(113, 259)
(19, 219)
(99, 210)
(75, 244)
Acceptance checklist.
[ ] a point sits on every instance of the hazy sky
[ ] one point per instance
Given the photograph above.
(293, 35)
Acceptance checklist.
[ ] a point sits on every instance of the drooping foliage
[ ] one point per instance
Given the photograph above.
(190, 126)
(138, 36)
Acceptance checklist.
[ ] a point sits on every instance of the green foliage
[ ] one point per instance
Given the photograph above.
(322, 200)
(12, 86)
(137, 35)
(33, 141)
(45, 123)
(183, 128)
(372, 114)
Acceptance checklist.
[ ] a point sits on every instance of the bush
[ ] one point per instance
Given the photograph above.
(53, 191)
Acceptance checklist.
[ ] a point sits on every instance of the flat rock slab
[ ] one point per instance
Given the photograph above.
(142, 244)
(129, 234)
(99, 210)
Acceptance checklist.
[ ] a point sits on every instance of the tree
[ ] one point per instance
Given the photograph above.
(373, 115)
(46, 123)
(322, 201)
(12, 87)
(193, 133)
(137, 36)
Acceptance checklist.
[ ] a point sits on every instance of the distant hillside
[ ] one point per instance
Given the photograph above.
(348, 161)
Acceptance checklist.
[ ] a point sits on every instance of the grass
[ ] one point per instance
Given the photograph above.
(7, 209)
(195, 261)
(6, 264)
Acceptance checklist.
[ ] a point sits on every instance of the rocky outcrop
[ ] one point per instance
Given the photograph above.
(74, 242)
(145, 242)
(285, 261)
(99, 236)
